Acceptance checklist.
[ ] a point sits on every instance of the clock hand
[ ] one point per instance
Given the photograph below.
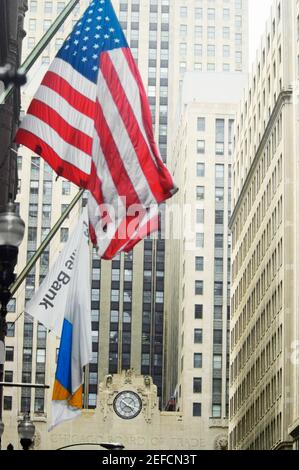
(127, 404)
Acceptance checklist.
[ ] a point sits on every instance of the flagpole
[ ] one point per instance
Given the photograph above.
(40, 47)
(20, 279)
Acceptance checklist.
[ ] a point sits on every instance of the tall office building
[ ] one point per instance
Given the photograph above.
(197, 298)
(264, 409)
(127, 293)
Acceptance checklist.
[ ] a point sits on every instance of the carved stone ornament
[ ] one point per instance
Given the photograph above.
(221, 442)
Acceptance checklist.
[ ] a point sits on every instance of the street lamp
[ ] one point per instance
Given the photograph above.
(26, 430)
(12, 230)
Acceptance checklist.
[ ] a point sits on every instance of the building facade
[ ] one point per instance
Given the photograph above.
(11, 35)
(264, 307)
(198, 298)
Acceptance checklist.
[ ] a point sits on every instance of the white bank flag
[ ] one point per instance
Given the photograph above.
(62, 304)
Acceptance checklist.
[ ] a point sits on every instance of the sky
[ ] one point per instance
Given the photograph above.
(259, 12)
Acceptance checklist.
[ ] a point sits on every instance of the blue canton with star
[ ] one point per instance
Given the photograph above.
(97, 31)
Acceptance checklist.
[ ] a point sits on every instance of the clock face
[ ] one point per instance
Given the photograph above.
(127, 404)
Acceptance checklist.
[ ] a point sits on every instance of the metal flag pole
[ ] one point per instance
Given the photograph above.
(20, 279)
(40, 47)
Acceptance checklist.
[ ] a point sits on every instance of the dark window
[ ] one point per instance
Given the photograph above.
(8, 376)
(196, 409)
(198, 336)
(9, 353)
(197, 360)
(7, 403)
(197, 385)
(198, 310)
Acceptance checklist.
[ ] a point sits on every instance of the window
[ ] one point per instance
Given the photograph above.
(10, 330)
(9, 353)
(198, 312)
(216, 411)
(33, 6)
(219, 217)
(32, 24)
(197, 336)
(183, 12)
(219, 136)
(200, 146)
(218, 240)
(197, 360)
(198, 287)
(40, 356)
(64, 234)
(211, 32)
(200, 240)
(7, 403)
(30, 42)
(217, 337)
(183, 29)
(47, 24)
(200, 216)
(11, 306)
(218, 289)
(197, 385)
(211, 50)
(219, 194)
(200, 169)
(66, 188)
(211, 14)
(200, 193)
(196, 409)
(226, 51)
(226, 33)
(217, 362)
(199, 263)
(48, 7)
(218, 265)
(201, 124)
(34, 187)
(8, 376)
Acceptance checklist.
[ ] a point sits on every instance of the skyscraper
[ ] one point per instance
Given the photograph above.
(264, 308)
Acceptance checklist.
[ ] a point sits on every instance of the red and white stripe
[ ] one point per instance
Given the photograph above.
(101, 138)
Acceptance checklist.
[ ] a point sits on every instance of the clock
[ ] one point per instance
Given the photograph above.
(127, 404)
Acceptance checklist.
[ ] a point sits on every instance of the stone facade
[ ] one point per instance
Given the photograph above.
(12, 14)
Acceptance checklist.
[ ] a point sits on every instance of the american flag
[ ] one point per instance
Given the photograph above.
(90, 120)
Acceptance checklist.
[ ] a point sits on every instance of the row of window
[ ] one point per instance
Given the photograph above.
(269, 435)
(211, 16)
(261, 327)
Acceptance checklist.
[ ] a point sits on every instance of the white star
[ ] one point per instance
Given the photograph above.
(96, 46)
(86, 38)
(69, 38)
(94, 68)
(76, 42)
(89, 20)
(79, 24)
(111, 30)
(67, 47)
(84, 59)
(87, 29)
(90, 12)
(75, 53)
(116, 40)
(84, 48)
(100, 10)
(99, 27)
(94, 56)
(106, 36)
(107, 18)
(99, 18)
(78, 32)
(97, 36)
